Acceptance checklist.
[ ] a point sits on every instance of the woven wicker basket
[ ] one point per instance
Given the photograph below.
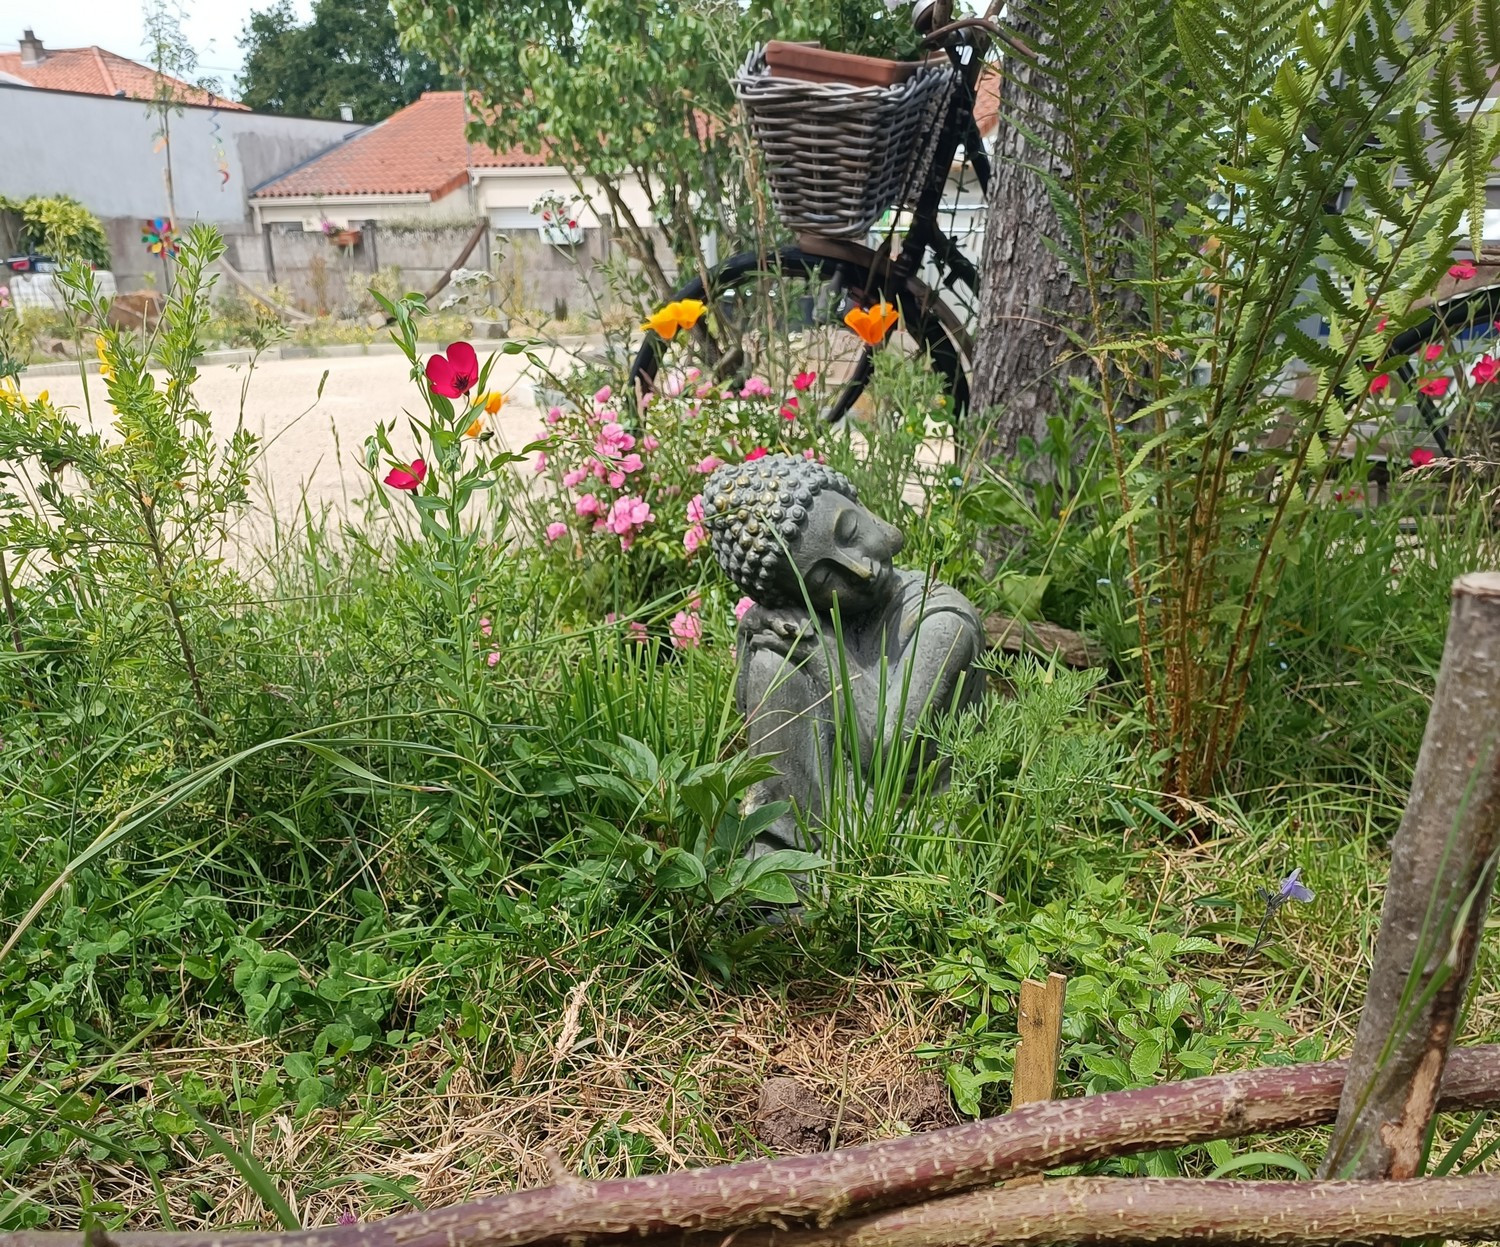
(838, 156)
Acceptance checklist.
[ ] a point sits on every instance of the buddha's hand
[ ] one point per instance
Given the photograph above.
(784, 630)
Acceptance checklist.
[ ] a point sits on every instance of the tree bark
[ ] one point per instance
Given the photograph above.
(821, 1190)
(1442, 876)
(1163, 1210)
(1022, 356)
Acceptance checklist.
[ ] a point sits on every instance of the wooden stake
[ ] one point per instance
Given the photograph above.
(1039, 1021)
(1442, 875)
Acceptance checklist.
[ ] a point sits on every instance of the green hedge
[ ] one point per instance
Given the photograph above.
(59, 227)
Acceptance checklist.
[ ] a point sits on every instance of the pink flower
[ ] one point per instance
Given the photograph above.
(687, 630)
(541, 463)
(409, 480)
(615, 479)
(760, 452)
(1380, 328)
(1463, 270)
(1434, 349)
(789, 410)
(612, 441)
(1421, 457)
(574, 476)
(1485, 369)
(803, 381)
(704, 390)
(603, 395)
(705, 466)
(637, 631)
(454, 374)
(486, 627)
(554, 415)
(649, 443)
(742, 607)
(693, 538)
(588, 505)
(694, 373)
(673, 383)
(494, 658)
(1381, 383)
(626, 516)
(555, 530)
(756, 387)
(348, 1218)
(695, 509)
(630, 463)
(1435, 388)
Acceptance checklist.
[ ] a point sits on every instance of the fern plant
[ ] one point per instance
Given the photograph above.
(1235, 173)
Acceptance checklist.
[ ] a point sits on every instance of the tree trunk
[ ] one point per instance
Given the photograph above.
(1442, 876)
(1022, 355)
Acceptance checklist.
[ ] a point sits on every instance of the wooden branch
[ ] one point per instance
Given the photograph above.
(1162, 1210)
(463, 256)
(819, 1190)
(1442, 876)
(281, 309)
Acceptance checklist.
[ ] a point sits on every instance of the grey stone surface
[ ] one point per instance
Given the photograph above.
(843, 654)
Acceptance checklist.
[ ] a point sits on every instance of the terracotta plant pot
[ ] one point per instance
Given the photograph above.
(347, 238)
(809, 63)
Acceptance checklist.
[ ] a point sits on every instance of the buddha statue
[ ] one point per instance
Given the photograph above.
(842, 651)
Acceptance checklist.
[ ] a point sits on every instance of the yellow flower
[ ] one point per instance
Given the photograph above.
(106, 370)
(680, 314)
(42, 397)
(872, 324)
(475, 429)
(493, 401)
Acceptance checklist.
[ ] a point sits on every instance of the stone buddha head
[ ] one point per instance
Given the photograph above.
(790, 532)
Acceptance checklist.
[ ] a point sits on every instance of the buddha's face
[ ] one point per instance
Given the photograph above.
(844, 552)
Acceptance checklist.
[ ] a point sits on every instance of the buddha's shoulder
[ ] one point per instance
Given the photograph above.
(921, 598)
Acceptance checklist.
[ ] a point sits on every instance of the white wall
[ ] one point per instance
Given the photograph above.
(100, 151)
(506, 196)
(310, 211)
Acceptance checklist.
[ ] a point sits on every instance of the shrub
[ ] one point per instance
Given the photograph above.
(59, 227)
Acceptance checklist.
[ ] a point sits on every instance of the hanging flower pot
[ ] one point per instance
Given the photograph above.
(346, 238)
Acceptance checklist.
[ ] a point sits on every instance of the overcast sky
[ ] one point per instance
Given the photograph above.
(213, 27)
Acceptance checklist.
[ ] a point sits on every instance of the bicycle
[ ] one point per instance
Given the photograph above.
(807, 287)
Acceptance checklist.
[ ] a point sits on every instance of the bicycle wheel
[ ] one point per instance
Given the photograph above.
(783, 313)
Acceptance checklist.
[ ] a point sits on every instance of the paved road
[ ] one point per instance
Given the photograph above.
(314, 445)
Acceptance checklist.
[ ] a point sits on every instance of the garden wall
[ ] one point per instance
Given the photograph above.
(103, 152)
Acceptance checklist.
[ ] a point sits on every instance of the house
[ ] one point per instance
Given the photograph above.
(96, 71)
(417, 171)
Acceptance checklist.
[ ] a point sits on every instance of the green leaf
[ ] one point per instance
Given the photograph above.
(679, 870)
(1146, 1060)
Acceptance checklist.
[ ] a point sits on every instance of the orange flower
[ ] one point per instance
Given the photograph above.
(872, 324)
(493, 401)
(689, 312)
(681, 314)
(475, 429)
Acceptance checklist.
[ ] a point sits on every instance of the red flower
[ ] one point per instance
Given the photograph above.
(1381, 383)
(454, 374)
(1485, 369)
(760, 452)
(803, 381)
(1434, 349)
(410, 481)
(1421, 457)
(1436, 388)
(789, 410)
(1463, 270)
(1380, 328)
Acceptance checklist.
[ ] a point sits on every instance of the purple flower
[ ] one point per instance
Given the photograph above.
(1292, 889)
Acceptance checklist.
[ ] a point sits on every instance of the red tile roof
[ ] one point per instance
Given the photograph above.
(420, 150)
(95, 71)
